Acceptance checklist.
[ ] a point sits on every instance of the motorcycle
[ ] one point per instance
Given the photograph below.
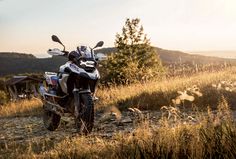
(71, 90)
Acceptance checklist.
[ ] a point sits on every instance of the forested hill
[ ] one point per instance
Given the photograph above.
(172, 56)
(16, 63)
(16, 55)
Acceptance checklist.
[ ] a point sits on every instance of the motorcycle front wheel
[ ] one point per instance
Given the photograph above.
(51, 120)
(85, 121)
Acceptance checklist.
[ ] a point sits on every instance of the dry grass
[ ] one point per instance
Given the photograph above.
(212, 135)
(179, 134)
(150, 95)
(21, 108)
(153, 95)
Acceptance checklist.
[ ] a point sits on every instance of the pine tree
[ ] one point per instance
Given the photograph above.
(135, 59)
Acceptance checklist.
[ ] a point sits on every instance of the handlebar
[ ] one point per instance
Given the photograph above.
(64, 53)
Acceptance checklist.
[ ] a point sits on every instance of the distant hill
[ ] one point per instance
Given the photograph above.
(16, 55)
(23, 63)
(219, 53)
(16, 63)
(171, 56)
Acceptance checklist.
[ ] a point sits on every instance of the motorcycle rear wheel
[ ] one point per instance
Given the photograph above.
(51, 120)
(85, 121)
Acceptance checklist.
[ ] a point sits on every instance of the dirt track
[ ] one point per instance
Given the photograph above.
(21, 129)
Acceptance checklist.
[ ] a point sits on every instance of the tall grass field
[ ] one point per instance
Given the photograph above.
(196, 121)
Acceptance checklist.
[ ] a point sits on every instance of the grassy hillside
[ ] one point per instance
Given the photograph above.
(181, 130)
(155, 94)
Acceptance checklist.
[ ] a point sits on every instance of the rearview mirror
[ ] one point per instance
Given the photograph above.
(99, 44)
(56, 39)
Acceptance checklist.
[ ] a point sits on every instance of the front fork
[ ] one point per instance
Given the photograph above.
(76, 102)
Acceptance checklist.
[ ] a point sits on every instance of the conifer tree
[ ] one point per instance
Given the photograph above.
(135, 59)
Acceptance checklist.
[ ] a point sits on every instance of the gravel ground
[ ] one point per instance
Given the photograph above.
(21, 129)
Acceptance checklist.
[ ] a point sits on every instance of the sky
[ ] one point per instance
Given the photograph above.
(187, 25)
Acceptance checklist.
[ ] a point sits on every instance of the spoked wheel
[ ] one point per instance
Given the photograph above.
(51, 120)
(85, 121)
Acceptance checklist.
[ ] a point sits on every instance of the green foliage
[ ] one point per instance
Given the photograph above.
(135, 59)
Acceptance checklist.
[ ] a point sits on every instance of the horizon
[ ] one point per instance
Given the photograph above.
(26, 25)
(230, 54)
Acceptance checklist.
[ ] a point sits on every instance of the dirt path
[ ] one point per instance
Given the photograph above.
(21, 129)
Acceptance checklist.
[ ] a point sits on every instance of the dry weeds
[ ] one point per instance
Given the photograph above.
(212, 135)
(21, 108)
(179, 133)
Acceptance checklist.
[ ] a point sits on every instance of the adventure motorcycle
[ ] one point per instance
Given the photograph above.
(71, 90)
